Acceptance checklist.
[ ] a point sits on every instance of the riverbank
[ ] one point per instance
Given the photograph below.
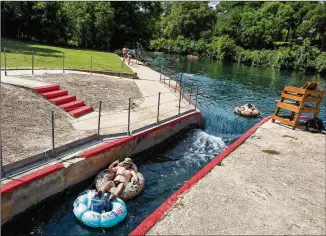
(302, 57)
(268, 185)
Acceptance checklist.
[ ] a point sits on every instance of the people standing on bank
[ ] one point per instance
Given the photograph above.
(129, 55)
(124, 51)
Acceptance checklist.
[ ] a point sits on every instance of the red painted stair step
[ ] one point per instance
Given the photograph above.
(54, 94)
(72, 105)
(81, 111)
(63, 99)
(47, 88)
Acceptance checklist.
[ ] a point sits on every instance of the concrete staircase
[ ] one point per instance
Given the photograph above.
(62, 99)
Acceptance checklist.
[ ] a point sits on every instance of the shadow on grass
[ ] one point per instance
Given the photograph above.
(25, 48)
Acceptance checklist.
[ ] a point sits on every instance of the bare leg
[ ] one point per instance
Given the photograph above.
(107, 186)
(117, 191)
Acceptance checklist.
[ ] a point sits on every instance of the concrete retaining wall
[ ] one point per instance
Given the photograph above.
(26, 191)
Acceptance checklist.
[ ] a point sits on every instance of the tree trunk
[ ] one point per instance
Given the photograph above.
(293, 33)
(287, 35)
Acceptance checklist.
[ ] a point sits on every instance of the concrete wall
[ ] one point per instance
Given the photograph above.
(26, 191)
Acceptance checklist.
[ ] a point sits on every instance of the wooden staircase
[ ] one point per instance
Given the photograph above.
(294, 100)
(62, 99)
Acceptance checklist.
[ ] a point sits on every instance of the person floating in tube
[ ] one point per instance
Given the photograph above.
(123, 174)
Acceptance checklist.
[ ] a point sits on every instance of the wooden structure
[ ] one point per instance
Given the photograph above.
(294, 100)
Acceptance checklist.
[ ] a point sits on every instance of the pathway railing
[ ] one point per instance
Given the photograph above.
(178, 82)
(130, 116)
(45, 59)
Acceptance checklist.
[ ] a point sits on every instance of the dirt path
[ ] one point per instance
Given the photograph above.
(113, 92)
(273, 184)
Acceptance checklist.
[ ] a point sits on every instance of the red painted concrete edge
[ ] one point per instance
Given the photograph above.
(105, 147)
(37, 88)
(12, 185)
(97, 150)
(152, 219)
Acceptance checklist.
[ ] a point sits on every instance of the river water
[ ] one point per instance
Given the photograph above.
(167, 168)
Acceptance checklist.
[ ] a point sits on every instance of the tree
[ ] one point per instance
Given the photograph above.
(315, 23)
(53, 21)
(260, 28)
(188, 19)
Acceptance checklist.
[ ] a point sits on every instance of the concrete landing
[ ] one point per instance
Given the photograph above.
(15, 80)
(273, 184)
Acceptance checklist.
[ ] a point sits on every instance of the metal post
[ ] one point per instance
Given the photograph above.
(63, 62)
(4, 50)
(169, 81)
(158, 107)
(192, 84)
(184, 88)
(92, 67)
(161, 73)
(176, 84)
(99, 118)
(128, 132)
(179, 101)
(2, 171)
(164, 79)
(52, 131)
(196, 97)
(180, 80)
(33, 62)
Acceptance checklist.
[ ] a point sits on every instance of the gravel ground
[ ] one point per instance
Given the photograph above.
(25, 124)
(26, 116)
(273, 184)
(113, 92)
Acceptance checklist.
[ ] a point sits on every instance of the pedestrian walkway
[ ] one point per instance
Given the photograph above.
(273, 184)
(144, 114)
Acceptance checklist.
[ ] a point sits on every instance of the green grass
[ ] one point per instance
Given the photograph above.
(19, 55)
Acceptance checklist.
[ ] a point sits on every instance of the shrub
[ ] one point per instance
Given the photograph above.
(320, 63)
(283, 58)
(223, 47)
(305, 56)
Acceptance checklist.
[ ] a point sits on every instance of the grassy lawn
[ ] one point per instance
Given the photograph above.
(19, 54)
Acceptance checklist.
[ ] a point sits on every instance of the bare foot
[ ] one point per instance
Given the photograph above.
(113, 197)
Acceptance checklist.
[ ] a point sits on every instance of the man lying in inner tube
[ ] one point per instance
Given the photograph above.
(123, 174)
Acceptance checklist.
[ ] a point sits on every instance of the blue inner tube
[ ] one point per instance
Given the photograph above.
(118, 211)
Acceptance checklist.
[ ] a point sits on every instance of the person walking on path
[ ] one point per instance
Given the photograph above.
(124, 51)
(129, 55)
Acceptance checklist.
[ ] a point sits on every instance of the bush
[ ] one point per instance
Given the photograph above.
(305, 56)
(283, 58)
(261, 57)
(222, 47)
(241, 56)
(320, 63)
(201, 47)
